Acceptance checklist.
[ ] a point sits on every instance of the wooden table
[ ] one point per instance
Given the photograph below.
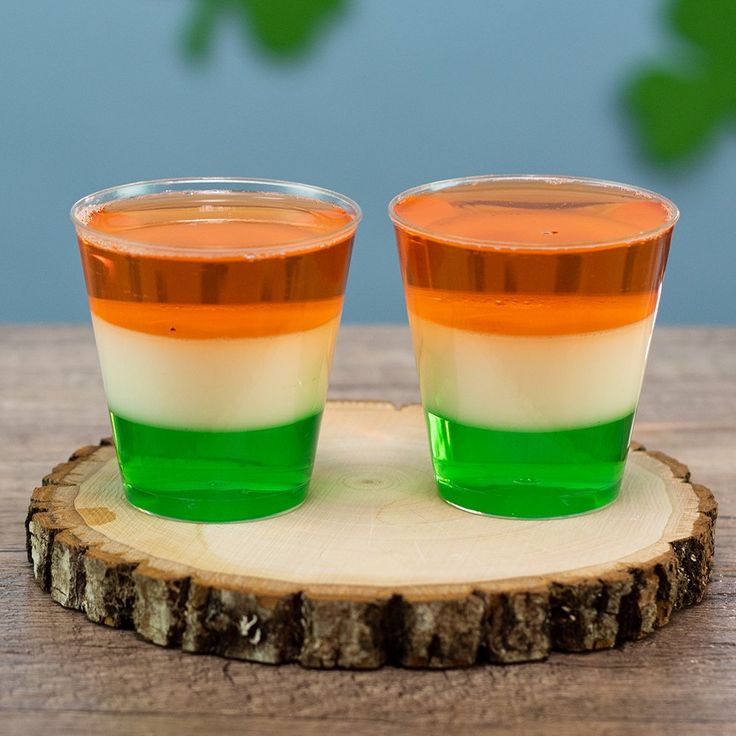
(62, 674)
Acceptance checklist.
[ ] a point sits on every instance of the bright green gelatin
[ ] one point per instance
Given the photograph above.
(212, 475)
(529, 474)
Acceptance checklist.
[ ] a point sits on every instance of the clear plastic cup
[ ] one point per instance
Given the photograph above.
(531, 301)
(215, 305)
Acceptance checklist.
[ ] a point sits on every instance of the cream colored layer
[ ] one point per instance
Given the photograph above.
(510, 382)
(222, 384)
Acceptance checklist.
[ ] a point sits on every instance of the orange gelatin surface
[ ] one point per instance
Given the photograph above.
(216, 264)
(534, 256)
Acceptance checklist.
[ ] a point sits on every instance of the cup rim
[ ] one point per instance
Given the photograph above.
(81, 209)
(442, 184)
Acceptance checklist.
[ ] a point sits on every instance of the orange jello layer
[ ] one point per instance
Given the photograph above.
(217, 264)
(528, 314)
(532, 258)
(202, 321)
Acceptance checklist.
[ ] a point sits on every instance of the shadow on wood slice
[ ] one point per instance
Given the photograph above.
(374, 569)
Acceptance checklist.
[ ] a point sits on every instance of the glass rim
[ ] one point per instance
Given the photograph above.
(82, 207)
(673, 213)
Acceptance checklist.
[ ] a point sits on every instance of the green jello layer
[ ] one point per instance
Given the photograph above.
(529, 474)
(213, 475)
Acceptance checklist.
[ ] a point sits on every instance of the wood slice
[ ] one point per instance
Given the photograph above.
(374, 568)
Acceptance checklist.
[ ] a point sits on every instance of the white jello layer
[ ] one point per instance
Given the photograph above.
(219, 384)
(510, 382)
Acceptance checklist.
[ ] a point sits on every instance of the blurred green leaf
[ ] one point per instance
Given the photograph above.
(708, 24)
(201, 28)
(676, 116)
(678, 107)
(284, 29)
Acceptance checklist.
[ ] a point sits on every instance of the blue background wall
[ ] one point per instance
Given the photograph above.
(395, 93)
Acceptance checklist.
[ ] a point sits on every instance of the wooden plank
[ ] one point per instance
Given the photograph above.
(679, 681)
(70, 723)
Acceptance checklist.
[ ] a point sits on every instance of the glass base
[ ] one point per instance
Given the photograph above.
(242, 505)
(538, 503)
(215, 476)
(529, 475)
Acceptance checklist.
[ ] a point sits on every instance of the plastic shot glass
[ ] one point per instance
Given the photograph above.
(531, 301)
(215, 305)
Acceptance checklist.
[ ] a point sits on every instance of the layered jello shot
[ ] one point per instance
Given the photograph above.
(215, 305)
(531, 301)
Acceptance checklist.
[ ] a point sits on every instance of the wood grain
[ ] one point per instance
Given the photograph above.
(681, 681)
